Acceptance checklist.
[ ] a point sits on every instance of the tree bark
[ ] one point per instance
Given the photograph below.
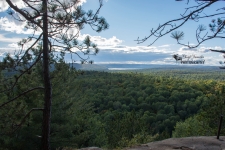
(47, 83)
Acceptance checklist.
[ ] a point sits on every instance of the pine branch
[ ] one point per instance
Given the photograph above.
(158, 33)
(24, 118)
(22, 94)
(28, 18)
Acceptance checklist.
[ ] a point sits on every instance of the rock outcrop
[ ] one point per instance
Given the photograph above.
(188, 143)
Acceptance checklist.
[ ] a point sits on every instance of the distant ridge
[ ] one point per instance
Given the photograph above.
(155, 66)
(106, 67)
(88, 67)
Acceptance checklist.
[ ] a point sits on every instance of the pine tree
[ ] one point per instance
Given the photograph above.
(56, 25)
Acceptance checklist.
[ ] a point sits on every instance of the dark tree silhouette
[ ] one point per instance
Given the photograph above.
(56, 25)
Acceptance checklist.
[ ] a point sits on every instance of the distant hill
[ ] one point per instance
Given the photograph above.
(89, 67)
(106, 67)
(154, 66)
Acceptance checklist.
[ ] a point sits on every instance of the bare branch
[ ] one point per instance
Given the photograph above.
(24, 118)
(158, 32)
(28, 69)
(29, 18)
(22, 94)
(220, 51)
(31, 47)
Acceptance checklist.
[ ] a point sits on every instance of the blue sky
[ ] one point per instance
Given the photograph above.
(128, 20)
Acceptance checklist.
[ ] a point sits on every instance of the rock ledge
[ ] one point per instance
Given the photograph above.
(187, 143)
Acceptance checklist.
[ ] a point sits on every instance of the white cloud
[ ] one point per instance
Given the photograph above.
(100, 41)
(167, 45)
(13, 45)
(4, 51)
(4, 5)
(135, 49)
(82, 2)
(20, 4)
(8, 40)
(207, 49)
(129, 62)
(187, 49)
(14, 26)
(201, 49)
(212, 60)
(114, 44)
(7, 23)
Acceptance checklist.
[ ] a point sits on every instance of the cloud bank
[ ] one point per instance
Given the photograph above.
(112, 50)
(19, 3)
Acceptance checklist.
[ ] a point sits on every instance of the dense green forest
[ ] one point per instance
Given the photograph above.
(112, 109)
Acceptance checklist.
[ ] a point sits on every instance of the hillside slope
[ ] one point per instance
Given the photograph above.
(88, 67)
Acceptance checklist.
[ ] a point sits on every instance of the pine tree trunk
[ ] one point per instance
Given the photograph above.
(47, 84)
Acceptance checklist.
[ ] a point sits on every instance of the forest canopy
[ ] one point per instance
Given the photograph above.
(114, 109)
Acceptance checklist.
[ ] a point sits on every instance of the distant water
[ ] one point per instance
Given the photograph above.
(124, 68)
(129, 66)
(154, 66)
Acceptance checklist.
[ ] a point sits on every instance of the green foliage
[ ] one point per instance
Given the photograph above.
(192, 127)
(122, 127)
(137, 139)
(164, 97)
(70, 125)
(206, 122)
(28, 70)
(112, 110)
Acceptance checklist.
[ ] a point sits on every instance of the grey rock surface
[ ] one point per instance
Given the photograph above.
(91, 148)
(188, 143)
